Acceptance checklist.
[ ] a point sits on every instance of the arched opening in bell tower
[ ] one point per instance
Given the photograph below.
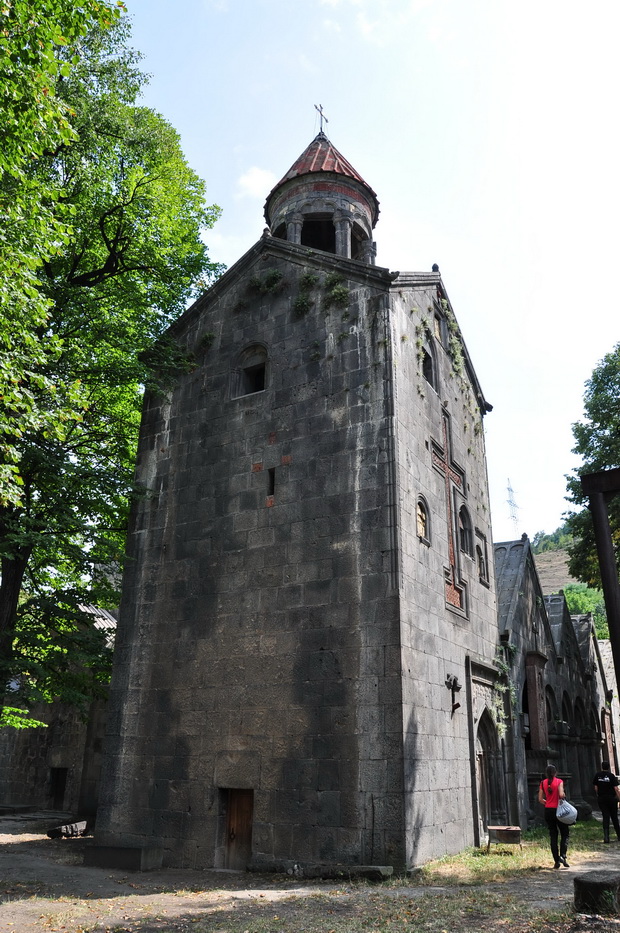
(318, 232)
(359, 242)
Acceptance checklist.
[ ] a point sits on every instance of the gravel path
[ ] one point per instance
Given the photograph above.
(45, 887)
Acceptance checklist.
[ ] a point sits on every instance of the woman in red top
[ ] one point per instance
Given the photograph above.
(550, 792)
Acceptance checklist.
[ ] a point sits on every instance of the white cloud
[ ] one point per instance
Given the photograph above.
(330, 25)
(387, 21)
(255, 183)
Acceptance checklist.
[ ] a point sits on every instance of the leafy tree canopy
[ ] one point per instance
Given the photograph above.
(582, 599)
(37, 48)
(128, 266)
(558, 540)
(597, 441)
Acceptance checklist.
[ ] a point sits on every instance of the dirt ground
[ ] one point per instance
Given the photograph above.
(44, 887)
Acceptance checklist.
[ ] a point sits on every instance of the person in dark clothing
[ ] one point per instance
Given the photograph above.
(607, 789)
(550, 792)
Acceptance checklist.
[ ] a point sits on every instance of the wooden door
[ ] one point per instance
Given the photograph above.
(239, 828)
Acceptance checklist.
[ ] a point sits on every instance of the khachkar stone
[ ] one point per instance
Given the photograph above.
(286, 635)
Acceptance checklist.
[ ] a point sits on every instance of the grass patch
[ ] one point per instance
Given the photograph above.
(506, 863)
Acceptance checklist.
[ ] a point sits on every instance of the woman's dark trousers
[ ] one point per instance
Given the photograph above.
(553, 825)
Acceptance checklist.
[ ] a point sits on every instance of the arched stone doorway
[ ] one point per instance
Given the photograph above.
(489, 775)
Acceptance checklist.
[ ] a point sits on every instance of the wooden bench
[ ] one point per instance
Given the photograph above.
(508, 835)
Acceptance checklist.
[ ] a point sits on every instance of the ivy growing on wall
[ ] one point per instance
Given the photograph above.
(270, 282)
(337, 292)
(504, 688)
(304, 300)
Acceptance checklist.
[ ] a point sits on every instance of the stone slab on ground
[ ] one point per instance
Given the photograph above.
(322, 870)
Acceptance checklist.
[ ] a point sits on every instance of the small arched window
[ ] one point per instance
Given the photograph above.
(466, 542)
(482, 557)
(428, 367)
(423, 522)
(250, 374)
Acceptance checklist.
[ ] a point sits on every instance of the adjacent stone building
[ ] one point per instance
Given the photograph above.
(304, 666)
(57, 767)
(560, 703)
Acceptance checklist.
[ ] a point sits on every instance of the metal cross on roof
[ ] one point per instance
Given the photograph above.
(321, 115)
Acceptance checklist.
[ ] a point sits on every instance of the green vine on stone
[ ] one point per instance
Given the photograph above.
(302, 304)
(308, 281)
(337, 291)
(505, 687)
(304, 301)
(271, 281)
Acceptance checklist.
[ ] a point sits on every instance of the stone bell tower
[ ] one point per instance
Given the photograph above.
(308, 583)
(323, 203)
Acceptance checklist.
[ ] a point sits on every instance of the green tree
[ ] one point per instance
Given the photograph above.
(558, 540)
(597, 441)
(133, 260)
(581, 599)
(37, 43)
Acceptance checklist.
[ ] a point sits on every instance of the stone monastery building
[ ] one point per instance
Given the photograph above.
(305, 661)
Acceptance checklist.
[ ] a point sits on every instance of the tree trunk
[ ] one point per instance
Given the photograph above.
(13, 570)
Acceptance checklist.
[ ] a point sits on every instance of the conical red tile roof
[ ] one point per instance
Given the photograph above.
(322, 156)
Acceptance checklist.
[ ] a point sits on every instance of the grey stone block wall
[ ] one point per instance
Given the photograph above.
(27, 757)
(296, 643)
(252, 651)
(435, 640)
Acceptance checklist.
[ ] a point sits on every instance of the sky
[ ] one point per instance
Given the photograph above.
(488, 130)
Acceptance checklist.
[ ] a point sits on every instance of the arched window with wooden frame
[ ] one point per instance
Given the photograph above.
(466, 538)
(423, 526)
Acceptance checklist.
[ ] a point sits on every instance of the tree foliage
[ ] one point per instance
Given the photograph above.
(558, 540)
(582, 599)
(597, 441)
(126, 268)
(37, 48)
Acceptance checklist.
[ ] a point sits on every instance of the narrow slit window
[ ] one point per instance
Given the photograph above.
(271, 481)
(465, 532)
(429, 369)
(482, 558)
